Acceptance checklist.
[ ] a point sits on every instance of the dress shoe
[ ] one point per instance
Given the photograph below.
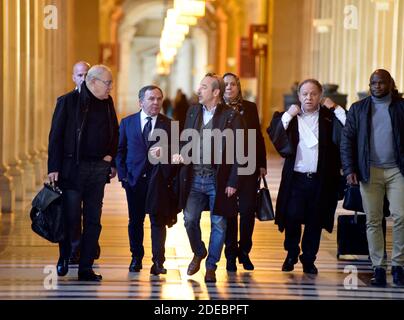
(62, 267)
(157, 269)
(135, 265)
(244, 259)
(195, 264)
(210, 276)
(398, 276)
(308, 267)
(89, 275)
(289, 264)
(379, 277)
(231, 265)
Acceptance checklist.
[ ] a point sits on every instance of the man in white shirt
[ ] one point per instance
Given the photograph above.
(307, 137)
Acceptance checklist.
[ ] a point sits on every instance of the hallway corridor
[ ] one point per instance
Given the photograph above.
(24, 255)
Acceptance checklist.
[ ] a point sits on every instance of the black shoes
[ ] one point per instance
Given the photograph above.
(62, 267)
(231, 265)
(308, 267)
(379, 277)
(289, 264)
(135, 265)
(157, 269)
(244, 259)
(89, 275)
(398, 276)
(195, 264)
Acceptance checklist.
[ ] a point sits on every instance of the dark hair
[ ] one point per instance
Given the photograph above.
(142, 91)
(218, 84)
(313, 81)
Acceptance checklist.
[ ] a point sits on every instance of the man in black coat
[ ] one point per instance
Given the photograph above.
(82, 145)
(204, 181)
(247, 193)
(307, 137)
(144, 181)
(372, 153)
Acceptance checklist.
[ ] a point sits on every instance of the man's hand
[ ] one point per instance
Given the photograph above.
(230, 191)
(177, 159)
(352, 179)
(107, 158)
(327, 102)
(263, 172)
(156, 152)
(294, 110)
(113, 173)
(53, 177)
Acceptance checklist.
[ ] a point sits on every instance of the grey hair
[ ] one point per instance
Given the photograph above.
(96, 71)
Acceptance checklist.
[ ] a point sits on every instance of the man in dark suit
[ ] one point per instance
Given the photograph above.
(82, 144)
(209, 183)
(247, 193)
(80, 70)
(307, 136)
(142, 179)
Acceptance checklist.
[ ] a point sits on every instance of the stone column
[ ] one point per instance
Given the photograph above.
(26, 88)
(7, 191)
(12, 94)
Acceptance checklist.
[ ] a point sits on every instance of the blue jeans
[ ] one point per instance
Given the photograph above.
(203, 191)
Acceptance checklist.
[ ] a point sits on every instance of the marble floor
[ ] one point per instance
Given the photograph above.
(27, 264)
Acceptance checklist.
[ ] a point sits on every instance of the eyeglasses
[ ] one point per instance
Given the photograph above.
(107, 83)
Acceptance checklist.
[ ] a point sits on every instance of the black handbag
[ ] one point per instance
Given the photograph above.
(264, 211)
(47, 214)
(353, 198)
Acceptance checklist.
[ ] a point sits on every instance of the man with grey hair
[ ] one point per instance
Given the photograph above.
(82, 145)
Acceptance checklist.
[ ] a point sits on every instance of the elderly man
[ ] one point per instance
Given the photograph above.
(372, 153)
(206, 184)
(307, 136)
(82, 144)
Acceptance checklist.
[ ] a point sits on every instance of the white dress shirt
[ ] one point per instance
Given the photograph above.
(143, 121)
(207, 115)
(307, 148)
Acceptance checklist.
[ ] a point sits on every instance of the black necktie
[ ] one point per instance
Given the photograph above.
(146, 130)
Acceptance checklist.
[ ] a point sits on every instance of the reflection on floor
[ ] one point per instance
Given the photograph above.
(27, 262)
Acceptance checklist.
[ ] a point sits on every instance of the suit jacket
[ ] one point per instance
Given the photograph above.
(131, 160)
(286, 141)
(226, 174)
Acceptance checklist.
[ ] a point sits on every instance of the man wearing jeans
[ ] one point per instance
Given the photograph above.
(206, 183)
(372, 153)
(82, 144)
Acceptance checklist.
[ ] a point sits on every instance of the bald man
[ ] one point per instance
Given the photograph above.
(80, 70)
(372, 154)
(82, 145)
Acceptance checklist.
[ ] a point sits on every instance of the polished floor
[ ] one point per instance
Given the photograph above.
(27, 264)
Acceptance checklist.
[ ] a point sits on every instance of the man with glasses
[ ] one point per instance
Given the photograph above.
(82, 145)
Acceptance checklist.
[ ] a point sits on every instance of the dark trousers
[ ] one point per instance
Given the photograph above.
(88, 195)
(302, 209)
(247, 199)
(136, 197)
